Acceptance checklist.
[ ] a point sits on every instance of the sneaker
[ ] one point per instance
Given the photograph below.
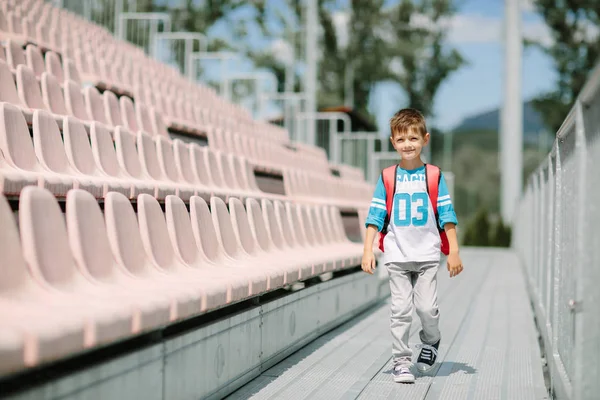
(428, 355)
(402, 374)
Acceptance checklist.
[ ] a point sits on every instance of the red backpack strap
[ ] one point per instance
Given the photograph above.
(432, 177)
(388, 175)
(389, 182)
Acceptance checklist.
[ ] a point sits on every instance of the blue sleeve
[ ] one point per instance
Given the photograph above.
(444, 205)
(377, 211)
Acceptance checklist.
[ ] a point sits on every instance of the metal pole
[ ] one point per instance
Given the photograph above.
(511, 132)
(311, 65)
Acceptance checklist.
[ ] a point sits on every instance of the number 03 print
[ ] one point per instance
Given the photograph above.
(403, 209)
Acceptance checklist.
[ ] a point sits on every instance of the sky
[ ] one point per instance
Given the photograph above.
(476, 31)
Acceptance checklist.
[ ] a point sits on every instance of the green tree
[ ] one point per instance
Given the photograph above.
(574, 50)
(477, 232)
(425, 58)
(380, 44)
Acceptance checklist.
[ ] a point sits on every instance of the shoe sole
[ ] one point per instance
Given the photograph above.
(424, 368)
(404, 379)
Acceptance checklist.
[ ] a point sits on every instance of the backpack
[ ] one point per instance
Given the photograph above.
(432, 179)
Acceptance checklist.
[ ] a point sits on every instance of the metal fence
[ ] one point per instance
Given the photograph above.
(556, 234)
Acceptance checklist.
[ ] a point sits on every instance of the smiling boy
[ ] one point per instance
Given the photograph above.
(412, 244)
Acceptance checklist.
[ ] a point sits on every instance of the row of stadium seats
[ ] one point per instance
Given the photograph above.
(20, 87)
(156, 229)
(163, 98)
(133, 164)
(99, 278)
(107, 62)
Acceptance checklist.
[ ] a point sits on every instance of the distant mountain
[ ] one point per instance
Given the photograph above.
(490, 120)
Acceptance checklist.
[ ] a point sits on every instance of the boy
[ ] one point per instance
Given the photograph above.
(412, 245)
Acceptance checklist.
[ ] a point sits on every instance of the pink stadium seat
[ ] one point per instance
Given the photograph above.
(52, 95)
(103, 149)
(111, 108)
(109, 316)
(92, 254)
(128, 114)
(37, 324)
(143, 118)
(266, 246)
(187, 251)
(157, 124)
(248, 249)
(19, 154)
(211, 232)
(54, 66)
(279, 240)
(81, 157)
(71, 70)
(185, 167)
(155, 237)
(75, 102)
(129, 253)
(9, 93)
(94, 105)
(35, 60)
(14, 54)
(29, 91)
(130, 167)
(201, 168)
(150, 166)
(50, 152)
(166, 163)
(290, 220)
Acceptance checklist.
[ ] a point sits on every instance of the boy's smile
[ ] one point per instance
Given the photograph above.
(409, 145)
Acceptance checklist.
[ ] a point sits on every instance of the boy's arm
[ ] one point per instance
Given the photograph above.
(377, 211)
(445, 208)
(374, 223)
(448, 222)
(368, 260)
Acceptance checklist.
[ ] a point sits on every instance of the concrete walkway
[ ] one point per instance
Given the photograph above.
(489, 346)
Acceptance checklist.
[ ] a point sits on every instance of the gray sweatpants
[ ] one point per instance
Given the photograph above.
(413, 286)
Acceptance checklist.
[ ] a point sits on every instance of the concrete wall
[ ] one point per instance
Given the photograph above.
(216, 359)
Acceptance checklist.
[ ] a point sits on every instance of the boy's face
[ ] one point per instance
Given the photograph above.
(409, 144)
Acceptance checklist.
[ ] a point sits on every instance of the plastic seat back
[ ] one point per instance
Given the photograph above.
(258, 226)
(124, 233)
(77, 146)
(241, 225)
(29, 89)
(52, 95)
(48, 143)
(15, 142)
(128, 113)
(75, 102)
(87, 235)
(44, 238)
(111, 108)
(94, 105)
(203, 229)
(54, 66)
(8, 86)
(35, 60)
(224, 228)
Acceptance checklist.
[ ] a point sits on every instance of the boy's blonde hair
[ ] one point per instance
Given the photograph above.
(408, 120)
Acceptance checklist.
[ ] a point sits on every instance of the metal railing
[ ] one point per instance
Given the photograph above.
(556, 234)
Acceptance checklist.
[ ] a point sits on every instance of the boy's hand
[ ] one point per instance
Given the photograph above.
(368, 262)
(455, 266)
